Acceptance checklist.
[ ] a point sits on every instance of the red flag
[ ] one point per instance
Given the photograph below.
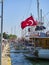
(23, 24)
(28, 22)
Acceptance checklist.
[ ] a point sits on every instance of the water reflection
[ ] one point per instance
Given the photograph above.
(20, 59)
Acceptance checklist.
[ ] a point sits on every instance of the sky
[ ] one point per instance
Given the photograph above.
(15, 11)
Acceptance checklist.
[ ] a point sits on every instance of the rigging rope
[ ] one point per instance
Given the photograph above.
(45, 18)
(29, 7)
(27, 11)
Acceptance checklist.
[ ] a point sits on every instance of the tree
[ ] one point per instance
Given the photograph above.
(12, 36)
(5, 36)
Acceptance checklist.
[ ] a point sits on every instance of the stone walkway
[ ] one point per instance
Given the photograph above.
(6, 60)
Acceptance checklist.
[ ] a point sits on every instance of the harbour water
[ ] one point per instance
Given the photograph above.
(20, 59)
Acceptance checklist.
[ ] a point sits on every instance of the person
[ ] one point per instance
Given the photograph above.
(36, 53)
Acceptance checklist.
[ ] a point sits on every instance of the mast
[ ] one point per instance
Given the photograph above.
(41, 22)
(41, 15)
(38, 9)
(11, 30)
(14, 30)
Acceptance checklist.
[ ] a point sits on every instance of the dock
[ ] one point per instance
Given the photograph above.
(6, 60)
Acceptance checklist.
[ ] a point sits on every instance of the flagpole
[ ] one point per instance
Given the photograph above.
(25, 31)
(22, 33)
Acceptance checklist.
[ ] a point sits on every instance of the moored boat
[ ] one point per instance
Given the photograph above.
(41, 54)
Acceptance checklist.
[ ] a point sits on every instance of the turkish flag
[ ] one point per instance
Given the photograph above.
(23, 24)
(28, 22)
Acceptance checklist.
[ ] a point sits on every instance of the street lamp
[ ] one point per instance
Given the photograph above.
(1, 20)
(1, 2)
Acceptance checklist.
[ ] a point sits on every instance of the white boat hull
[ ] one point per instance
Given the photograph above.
(43, 53)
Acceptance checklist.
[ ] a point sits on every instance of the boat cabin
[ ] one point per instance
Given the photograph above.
(41, 41)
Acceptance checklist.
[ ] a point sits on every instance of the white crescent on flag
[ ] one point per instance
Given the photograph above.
(31, 22)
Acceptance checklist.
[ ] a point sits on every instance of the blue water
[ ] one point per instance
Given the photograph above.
(20, 59)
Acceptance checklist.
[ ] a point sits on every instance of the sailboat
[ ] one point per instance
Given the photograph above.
(41, 40)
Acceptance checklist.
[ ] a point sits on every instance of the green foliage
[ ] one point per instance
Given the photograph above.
(7, 36)
(12, 36)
